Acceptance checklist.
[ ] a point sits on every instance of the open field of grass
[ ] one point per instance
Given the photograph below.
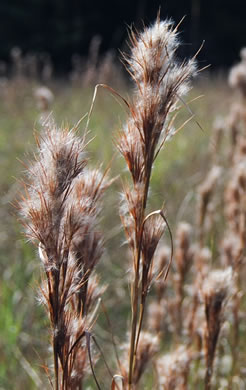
(180, 168)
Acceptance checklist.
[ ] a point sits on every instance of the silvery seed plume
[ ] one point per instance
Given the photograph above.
(161, 81)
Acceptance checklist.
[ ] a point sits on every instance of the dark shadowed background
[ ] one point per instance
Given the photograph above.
(63, 28)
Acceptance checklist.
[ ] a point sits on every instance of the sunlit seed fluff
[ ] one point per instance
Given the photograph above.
(59, 147)
(85, 195)
(178, 78)
(153, 59)
(76, 324)
(60, 159)
(92, 183)
(218, 283)
(130, 145)
(132, 200)
(159, 36)
(94, 292)
(42, 254)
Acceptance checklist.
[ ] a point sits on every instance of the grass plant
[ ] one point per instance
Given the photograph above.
(125, 318)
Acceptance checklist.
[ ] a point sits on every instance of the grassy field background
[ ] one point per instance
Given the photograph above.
(180, 168)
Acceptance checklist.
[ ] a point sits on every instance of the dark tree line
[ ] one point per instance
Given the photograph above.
(64, 27)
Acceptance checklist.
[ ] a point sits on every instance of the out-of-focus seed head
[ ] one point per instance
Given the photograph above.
(205, 192)
(156, 315)
(218, 285)
(44, 98)
(173, 368)
(237, 75)
(183, 255)
(148, 346)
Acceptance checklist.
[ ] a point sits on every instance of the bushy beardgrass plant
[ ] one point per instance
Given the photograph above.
(60, 208)
(160, 82)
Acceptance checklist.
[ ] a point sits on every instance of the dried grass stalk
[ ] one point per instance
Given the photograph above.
(160, 82)
(60, 209)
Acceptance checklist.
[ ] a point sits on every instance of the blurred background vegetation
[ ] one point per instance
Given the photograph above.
(24, 336)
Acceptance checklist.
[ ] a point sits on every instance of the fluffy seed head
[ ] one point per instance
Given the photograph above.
(173, 369)
(237, 75)
(218, 285)
(148, 346)
(44, 97)
(153, 57)
(160, 82)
